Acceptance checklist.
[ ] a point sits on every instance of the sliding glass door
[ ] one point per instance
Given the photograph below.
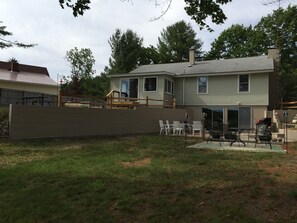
(214, 118)
(239, 117)
(129, 87)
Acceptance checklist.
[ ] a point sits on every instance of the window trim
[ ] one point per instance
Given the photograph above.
(172, 86)
(238, 83)
(156, 83)
(206, 85)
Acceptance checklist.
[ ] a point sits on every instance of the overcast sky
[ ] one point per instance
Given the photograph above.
(56, 31)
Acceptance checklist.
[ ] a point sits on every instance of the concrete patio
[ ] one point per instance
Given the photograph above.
(276, 148)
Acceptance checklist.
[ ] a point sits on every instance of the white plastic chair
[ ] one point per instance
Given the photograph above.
(168, 127)
(197, 126)
(177, 128)
(162, 127)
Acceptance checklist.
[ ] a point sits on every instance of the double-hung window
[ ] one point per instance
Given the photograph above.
(202, 85)
(244, 83)
(150, 84)
(169, 88)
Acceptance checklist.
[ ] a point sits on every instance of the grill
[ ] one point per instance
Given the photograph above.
(263, 132)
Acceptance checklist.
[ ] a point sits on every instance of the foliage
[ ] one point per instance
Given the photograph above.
(149, 55)
(81, 62)
(279, 30)
(78, 8)
(125, 51)
(175, 41)
(4, 43)
(238, 41)
(81, 81)
(198, 10)
(142, 179)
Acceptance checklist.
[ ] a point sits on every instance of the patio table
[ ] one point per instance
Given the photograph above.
(238, 133)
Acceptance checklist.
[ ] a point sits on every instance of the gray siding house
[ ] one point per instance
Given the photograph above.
(236, 91)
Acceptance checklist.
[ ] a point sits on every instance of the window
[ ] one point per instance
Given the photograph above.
(169, 86)
(244, 83)
(150, 84)
(202, 85)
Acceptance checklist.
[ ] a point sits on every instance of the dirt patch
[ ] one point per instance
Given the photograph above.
(137, 163)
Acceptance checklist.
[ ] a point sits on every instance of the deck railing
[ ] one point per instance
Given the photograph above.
(115, 99)
(289, 105)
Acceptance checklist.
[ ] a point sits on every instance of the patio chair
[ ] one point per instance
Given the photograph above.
(197, 126)
(229, 135)
(263, 133)
(177, 127)
(162, 127)
(168, 128)
(215, 134)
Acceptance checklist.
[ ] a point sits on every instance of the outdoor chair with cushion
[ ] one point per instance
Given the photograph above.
(263, 132)
(229, 135)
(216, 133)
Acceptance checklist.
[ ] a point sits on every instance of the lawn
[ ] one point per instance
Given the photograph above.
(144, 178)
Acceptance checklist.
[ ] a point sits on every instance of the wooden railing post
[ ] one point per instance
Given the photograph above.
(174, 103)
(111, 101)
(146, 101)
(59, 97)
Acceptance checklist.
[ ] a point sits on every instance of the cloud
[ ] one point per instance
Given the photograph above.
(57, 31)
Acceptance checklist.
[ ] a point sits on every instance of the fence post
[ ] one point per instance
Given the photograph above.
(59, 97)
(146, 101)
(174, 103)
(111, 100)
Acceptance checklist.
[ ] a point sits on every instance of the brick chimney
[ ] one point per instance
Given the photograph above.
(191, 56)
(274, 53)
(14, 66)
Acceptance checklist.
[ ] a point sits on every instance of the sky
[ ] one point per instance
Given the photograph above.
(56, 31)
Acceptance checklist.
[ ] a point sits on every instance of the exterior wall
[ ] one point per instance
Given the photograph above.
(45, 89)
(159, 94)
(223, 90)
(39, 122)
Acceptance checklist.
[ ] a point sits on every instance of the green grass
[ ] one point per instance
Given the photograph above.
(143, 179)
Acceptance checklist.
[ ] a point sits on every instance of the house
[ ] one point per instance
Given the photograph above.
(26, 85)
(236, 91)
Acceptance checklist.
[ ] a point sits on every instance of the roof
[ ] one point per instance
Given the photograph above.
(258, 64)
(25, 74)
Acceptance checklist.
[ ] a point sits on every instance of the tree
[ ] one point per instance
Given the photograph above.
(280, 28)
(149, 55)
(4, 43)
(126, 51)
(238, 41)
(81, 62)
(175, 41)
(198, 10)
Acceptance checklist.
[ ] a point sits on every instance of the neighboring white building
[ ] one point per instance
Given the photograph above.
(26, 85)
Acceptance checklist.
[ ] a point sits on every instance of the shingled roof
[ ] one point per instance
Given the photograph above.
(258, 64)
(25, 73)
